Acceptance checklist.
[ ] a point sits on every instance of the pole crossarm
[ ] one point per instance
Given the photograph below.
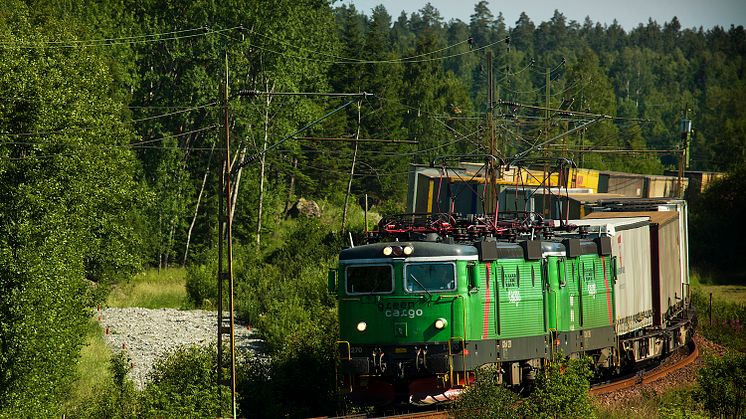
(672, 151)
(254, 93)
(360, 140)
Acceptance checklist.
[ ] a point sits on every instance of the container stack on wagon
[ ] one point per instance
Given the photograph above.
(630, 244)
(669, 282)
(626, 207)
(461, 189)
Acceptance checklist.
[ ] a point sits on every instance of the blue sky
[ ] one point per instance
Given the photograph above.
(629, 13)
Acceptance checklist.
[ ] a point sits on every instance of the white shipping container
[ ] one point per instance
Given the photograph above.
(666, 258)
(630, 244)
(681, 207)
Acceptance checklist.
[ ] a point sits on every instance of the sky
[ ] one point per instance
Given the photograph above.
(629, 13)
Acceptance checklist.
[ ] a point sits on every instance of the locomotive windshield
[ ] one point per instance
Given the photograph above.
(370, 279)
(430, 277)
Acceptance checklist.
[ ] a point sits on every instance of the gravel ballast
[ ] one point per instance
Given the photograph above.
(149, 334)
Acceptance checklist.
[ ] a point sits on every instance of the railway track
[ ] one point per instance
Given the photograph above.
(433, 414)
(645, 377)
(642, 377)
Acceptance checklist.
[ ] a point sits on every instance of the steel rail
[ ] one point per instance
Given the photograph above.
(647, 377)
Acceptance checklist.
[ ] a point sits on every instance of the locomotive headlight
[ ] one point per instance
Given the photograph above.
(387, 251)
(408, 250)
(441, 323)
(361, 327)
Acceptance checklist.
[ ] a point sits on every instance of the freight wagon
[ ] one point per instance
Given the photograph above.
(461, 189)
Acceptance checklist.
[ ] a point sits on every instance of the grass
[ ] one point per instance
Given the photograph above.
(93, 367)
(735, 294)
(677, 402)
(152, 289)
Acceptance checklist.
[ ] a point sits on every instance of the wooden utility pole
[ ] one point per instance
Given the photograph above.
(685, 132)
(492, 195)
(225, 262)
(352, 171)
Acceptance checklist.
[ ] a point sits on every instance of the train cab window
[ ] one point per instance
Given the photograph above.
(473, 277)
(430, 277)
(369, 279)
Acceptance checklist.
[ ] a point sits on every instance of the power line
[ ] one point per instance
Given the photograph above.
(94, 127)
(142, 39)
(138, 144)
(353, 61)
(357, 60)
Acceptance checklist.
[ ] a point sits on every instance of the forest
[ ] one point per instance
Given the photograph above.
(112, 141)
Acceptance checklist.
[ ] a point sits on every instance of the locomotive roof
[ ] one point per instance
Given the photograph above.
(421, 249)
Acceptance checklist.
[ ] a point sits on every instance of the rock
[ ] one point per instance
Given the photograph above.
(306, 208)
(149, 334)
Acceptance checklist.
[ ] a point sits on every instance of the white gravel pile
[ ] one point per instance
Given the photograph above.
(148, 334)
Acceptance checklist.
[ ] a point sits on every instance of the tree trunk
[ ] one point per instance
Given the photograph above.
(262, 167)
(170, 243)
(237, 182)
(196, 208)
(291, 187)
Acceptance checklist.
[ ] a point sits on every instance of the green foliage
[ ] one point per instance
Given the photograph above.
(562, 392)
(680, 403)
(722, 385)
(712, 214)
(201, 283)
(93, 370)
(69, 204)
(115, 398)
(183, 385)
(728, 320)
(270, 389)
(486, 399)
(152, 288)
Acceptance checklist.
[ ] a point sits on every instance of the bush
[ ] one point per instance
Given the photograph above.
(183, 385)
(729, 321)
(202, 283)
(712, 215)
(722, 385)
(680, 403)
(486, 399)
(299, 381)
(562, 391)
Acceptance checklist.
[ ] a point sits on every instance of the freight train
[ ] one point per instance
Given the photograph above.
(432, 299)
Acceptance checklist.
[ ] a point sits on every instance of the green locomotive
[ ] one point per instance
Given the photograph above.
(418, 318)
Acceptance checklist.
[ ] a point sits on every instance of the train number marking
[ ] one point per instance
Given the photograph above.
(514, 296)
(592, 289)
